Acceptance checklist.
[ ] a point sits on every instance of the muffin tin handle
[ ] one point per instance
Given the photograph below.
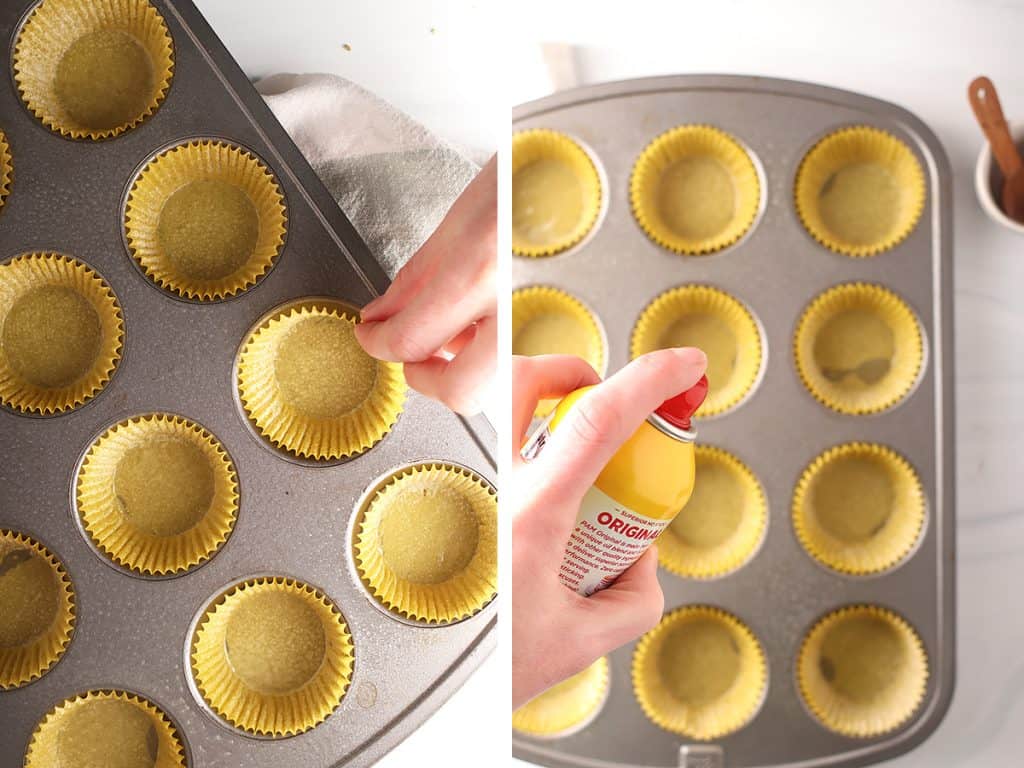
(701, 756)
(988, 110)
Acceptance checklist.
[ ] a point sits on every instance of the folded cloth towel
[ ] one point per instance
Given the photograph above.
(393, 178)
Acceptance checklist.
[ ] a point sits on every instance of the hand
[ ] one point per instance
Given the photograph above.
(556, 632)
(439, 316)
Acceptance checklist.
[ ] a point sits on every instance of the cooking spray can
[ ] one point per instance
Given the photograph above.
(638, 493)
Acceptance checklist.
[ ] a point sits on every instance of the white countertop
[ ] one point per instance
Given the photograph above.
(920, 55)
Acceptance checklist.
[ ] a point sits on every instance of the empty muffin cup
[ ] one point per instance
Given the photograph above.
(858, 508)
(272, 656)
(93, 70)
(309, 388)
(61, 333)
(6, 170)
(205, 220)
(556, 193)
(694, 190)
(721, 525)
(862, 671)
(426, 543)
(37, 610)
(566, 707)
(706, 317)
(548, 321)
(700, 673)
(858, 348)
(157, 494)
(106, 729)
(860, 191)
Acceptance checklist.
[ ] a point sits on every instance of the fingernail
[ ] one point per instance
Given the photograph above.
(692, 356)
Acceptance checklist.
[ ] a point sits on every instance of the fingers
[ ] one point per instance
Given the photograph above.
(535, 378)
(628, 608)
(460, 383)
(607, 416)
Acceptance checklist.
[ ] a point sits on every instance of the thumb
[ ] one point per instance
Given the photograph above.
(631, 606)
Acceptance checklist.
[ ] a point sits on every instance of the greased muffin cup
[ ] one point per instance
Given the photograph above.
(862, 671)
(93, 70)
(718, 323)
(205, 220)
(694, 190)
(858, 348)
(721, 525)
(6, 170)
(858, 508)
(556, 193)
(700, 673)
(37, 610)
(426, 543)
(548, 321)
(157, 494)
(62, 333)
(309, 388)
(567, 707)
(859, 191)
(272, 656)
(105, 729)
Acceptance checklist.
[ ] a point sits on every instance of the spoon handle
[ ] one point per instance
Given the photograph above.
(985, 103)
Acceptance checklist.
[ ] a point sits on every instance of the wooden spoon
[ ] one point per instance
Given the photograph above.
(985, 103)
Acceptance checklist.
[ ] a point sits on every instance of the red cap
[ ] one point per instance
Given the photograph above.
(680, 409)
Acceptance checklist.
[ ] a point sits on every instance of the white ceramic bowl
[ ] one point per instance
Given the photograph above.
(988, 181)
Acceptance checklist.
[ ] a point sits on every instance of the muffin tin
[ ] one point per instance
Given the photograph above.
(777, 429)
(133, 622)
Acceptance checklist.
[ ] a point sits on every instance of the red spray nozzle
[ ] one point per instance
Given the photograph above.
(679, 410)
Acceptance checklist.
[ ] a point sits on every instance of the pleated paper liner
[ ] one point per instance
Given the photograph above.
(426, 543)
(862, 671)
(272, 656)
(91, 69)
(6, 170)
(858, 348)
(694, 190)
(556, 193)
(721, 525)
(549, 321)
(205, 220)
(62, 333)
(700, 673)
(860, 191)
(37, 610)
(106, 729)
(157, 494)
(310, 389)
(718, 323)
(567, 707)
(859, 508)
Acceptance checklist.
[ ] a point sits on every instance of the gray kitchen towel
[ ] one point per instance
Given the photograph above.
(393, 178)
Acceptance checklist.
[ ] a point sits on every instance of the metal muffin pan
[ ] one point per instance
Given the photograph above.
(294, 519)
(776, 270)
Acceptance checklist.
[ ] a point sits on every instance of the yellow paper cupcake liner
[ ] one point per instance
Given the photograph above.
(716, 661)
(426, 543)
(862, 671)
(716, 188)
(718, 323)
(721, 525)
(140, 521)
(565, 708)
(30, 380)
(859, 191)
(548, 321)
(858, 508)
(6, 170)
(272, 656)
(52, 63)
(35, 626)
(307, 409)
(858, 348)
(555, 186)
(106, 727)
(239, 213)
